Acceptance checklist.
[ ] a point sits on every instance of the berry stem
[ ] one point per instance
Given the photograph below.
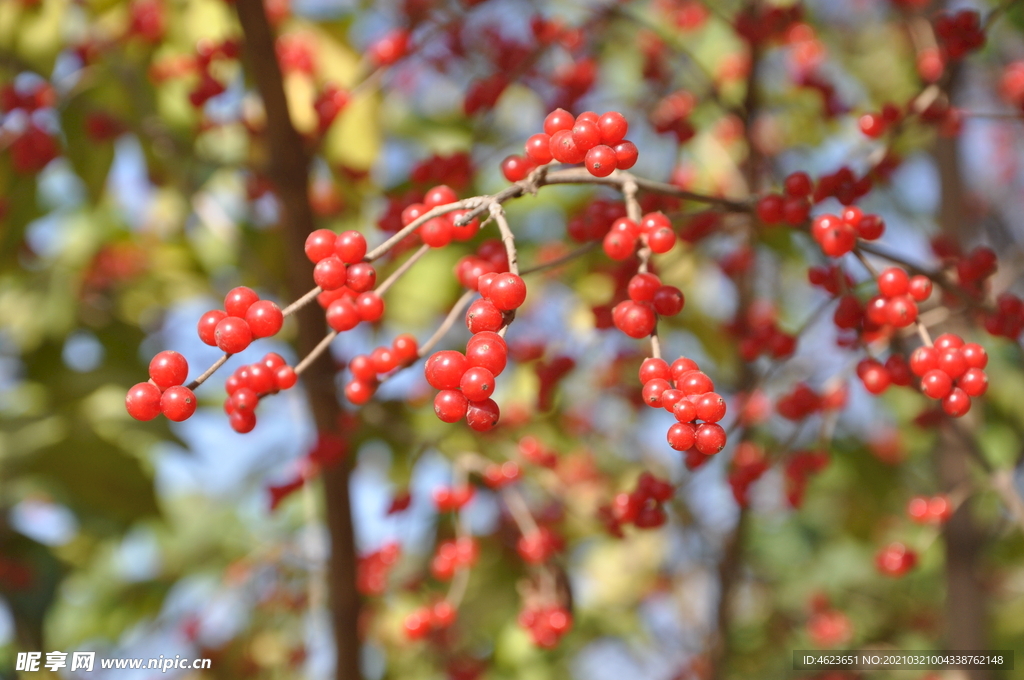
(447, 324)
(316, 352)
(301, 302)
(208, 372)
(520, 511)
(923, 333)
(405, 266)
(507, 237)
(559, 261)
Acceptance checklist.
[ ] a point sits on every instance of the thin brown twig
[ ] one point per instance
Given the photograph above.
(405, 266)
(208, 372)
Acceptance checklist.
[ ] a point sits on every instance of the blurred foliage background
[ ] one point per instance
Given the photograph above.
(130, 204)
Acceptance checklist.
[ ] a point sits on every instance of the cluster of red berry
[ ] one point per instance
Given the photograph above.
(625, 236)
(451, 556)
(546, 625)
(33, 148)
(748, 465)
(490, 258)
(799, 403)
(367, 368)
(534, 451)
(895, 559)
(329, 103)
(648, 299)
(837, 235)
(497, 475)
(467, 381)
(372, 570)
(672, 114)
(596, 141)
(799, 468)
(248, 384)
(643, 507)
(933, 510)
(208, 86)
(959, 33)
(389, 48)
(426, 620)
(875, 125)
(952, 371)
(439, 231)
(687, 393)
(452, 498)
(1007, 320)
(536, 547)
(244, 318)
(759, 333)
(791, 207)
(899, 293)
(757, 24)
(164, 392)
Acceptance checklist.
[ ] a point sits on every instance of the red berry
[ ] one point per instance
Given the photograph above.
(168, 368)
(538, 148)
(342, 315)
(711, 407)
(587, 135)
(413, 212)
(564, 149)
(661, 240)
(178, 403)
(261, 379)
(653, 368)
(635, 319)
(207, 326)
(795, 211)
(924, 359)
(769, 209)
(487, 350)
(619, 245)
(463, 232)
(285, 377)
(477, 383)
(383, 360)
(515, 168)
(936, 384)
(442, 194)
(444, 369)
(642, 287)
(681, 366)
(264, 318)
(330, 273)
(685, 410)
(244, 399)
(682, 436)
(956, 403)
(920, 288)
(973, 382)
(668, 300)
(370, 306)
(975, 355)
(600, 160)
(626, 154)
(406, 348)
(901, 311)
(437, 232)
(143, 401)
(350, 246)
(872, 125)
(362, 368)
(242, 421)
(361, 277)
(613, 126)
(233, 334)
(838, 241)
(874, 376)
(653, 221)
(798, 184)
(893, 282)
(710, 438)
(482, 415)
(239, 300)
(653, 390)
(482, 316)
(947, 341)
(952, 363)
(694, 382)
(320, 244)
(507, 291)
(359, 392)
(870, 227)
(450, 406)
(389, 48)
(559, 119)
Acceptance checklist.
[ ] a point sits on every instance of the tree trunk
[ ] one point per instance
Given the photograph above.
(289, 170)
